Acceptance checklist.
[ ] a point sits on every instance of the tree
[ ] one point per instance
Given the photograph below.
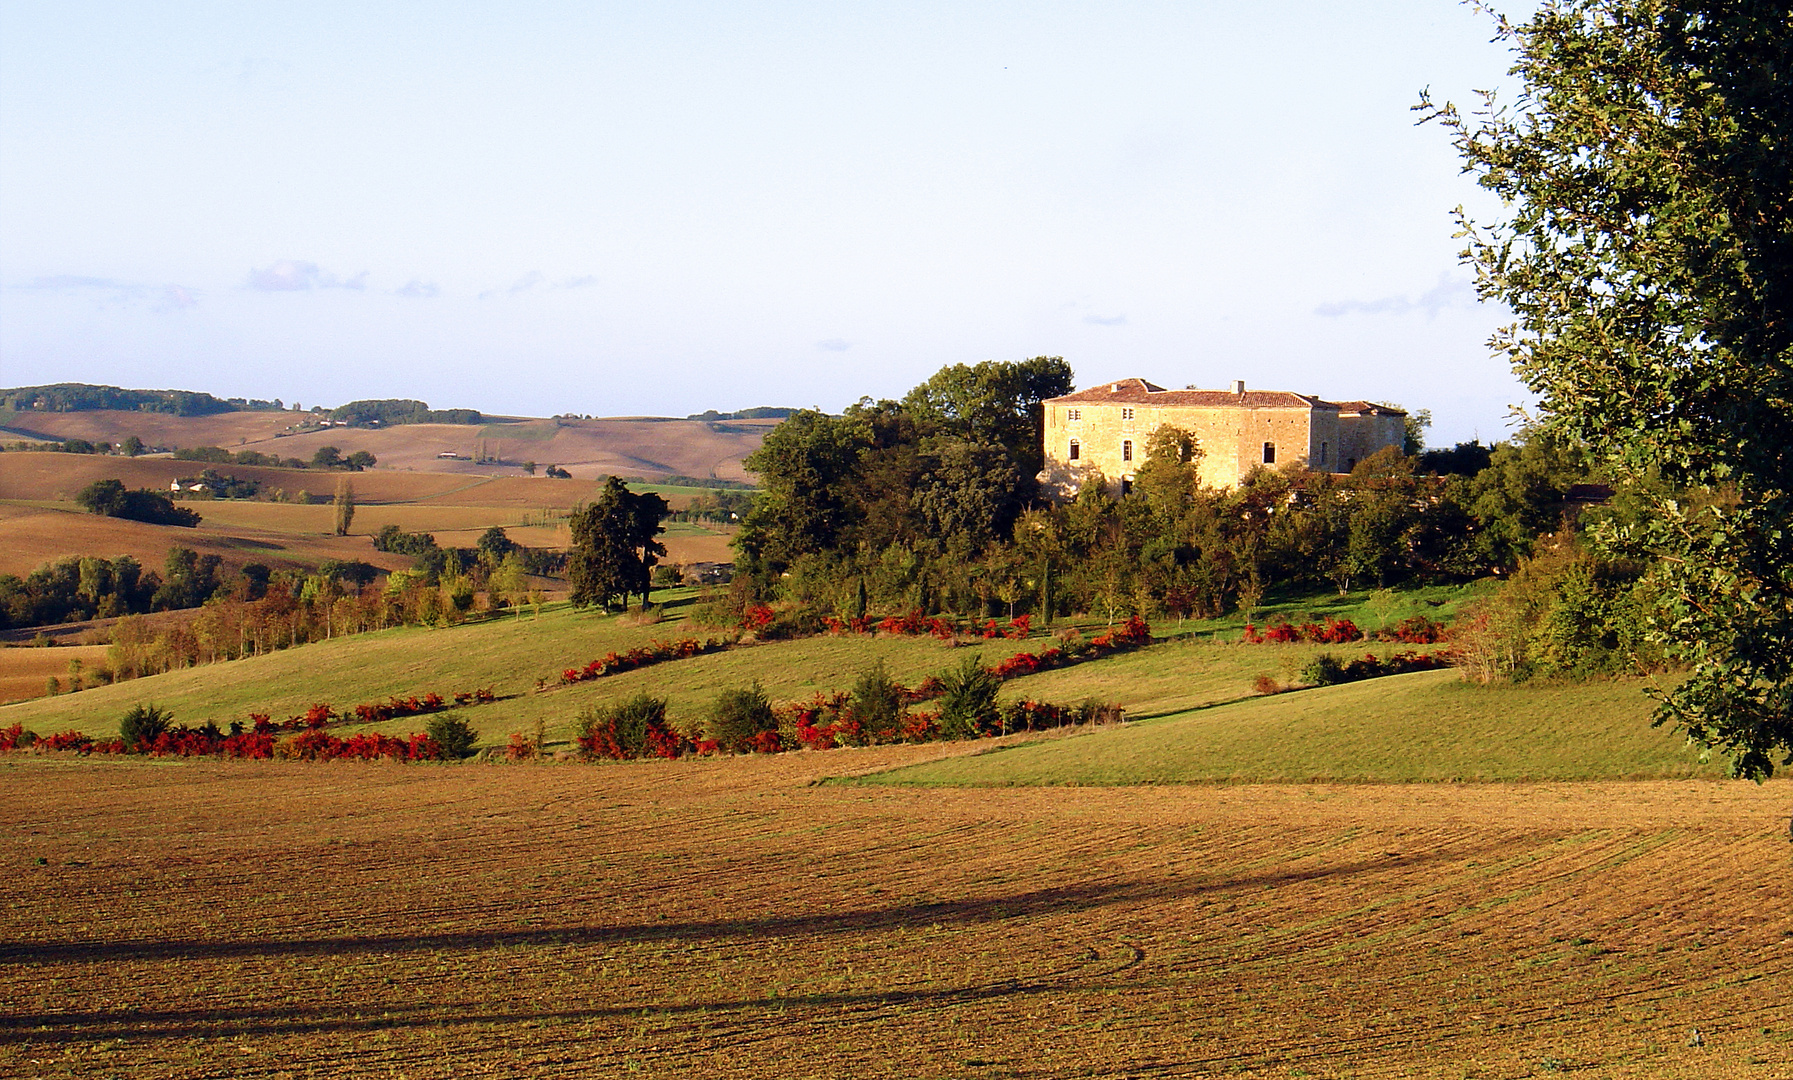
(614, 546)
(1647, 253)
(110, 497)
(345, 505)
(360, 460)
(804, 465)
(327, 457)
(994, 402)
(132, 446)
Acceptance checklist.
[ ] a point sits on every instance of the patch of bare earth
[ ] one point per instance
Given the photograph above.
(730, 918)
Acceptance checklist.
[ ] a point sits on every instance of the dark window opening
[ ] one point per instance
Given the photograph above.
(1269, 453)
(1076, 450)
(1126, 486)
(1350, 464)
(1126, 449)
(1322, 455)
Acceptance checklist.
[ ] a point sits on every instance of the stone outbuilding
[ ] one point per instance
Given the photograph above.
(1106, 428)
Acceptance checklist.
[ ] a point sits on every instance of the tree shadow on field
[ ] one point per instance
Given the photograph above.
(1035, 903)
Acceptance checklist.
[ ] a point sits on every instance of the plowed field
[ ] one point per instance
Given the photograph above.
(732, 918)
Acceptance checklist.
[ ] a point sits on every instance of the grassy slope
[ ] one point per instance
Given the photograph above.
(1196, 719)
(1428, 726)
(508, 655)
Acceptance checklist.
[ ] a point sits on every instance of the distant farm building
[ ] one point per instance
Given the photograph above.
(1104, 430)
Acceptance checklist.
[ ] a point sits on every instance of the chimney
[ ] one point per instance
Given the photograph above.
(1114, 388)
(1238, 387)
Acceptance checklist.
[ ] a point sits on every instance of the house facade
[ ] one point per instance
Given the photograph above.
(1106, 428)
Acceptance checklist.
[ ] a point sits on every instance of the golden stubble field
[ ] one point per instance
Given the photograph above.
(736, 918)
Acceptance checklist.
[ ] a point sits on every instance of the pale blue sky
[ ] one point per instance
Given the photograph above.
(622, 208)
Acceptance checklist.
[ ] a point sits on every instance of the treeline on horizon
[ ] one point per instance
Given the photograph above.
(86, 397)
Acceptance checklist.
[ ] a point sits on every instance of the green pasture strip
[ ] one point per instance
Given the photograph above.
(642, 487)
(509, 655)
(1427, 726)
(521, 432)
(1440, 603)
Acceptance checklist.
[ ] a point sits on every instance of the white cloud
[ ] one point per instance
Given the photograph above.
(1450, 292)
(1105, 320)
(834, 345)
(292, 275)
(161, 298)
(419, 290)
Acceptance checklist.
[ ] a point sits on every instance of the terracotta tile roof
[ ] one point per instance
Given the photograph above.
(1141, 392)
(1368, 407)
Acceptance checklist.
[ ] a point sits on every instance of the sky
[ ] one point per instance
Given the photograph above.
(639, 208)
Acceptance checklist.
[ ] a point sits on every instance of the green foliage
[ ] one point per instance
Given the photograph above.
(111, 499)
(614, 546)
(738, 717)
(627, 723)
(453, 734)
(877, 703)
(1568, 612)
(1647, 253)
(389, 411)
(967, 699)
(81, 397)
(1323, 670)
(344, 504)
(142, 724)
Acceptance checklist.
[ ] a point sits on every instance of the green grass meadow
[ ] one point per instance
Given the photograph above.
(1194, 713)
(1425, 727)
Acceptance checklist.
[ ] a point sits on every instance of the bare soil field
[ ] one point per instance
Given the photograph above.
(629, 446)
(736, 918)
(31, 537)
(25, 672)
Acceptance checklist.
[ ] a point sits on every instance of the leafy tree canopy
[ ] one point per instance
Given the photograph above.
(1647, 253)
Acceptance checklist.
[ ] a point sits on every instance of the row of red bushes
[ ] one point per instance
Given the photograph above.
(657, 652)
(1414, 630)
(827, 720)
(915, 624)
(261, 743)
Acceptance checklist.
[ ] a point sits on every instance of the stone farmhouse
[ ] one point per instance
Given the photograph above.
(1105, 430)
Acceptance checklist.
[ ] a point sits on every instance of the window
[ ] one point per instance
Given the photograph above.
(1322, 455)
(1126, 449)
(1350, 464)
(1269, 453)
(1126, 414)
(1076, 450)
(1126, 485)
(1073, 414)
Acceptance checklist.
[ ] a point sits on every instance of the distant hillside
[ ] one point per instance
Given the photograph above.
(83, 397)
(763, 412)
(400, 411)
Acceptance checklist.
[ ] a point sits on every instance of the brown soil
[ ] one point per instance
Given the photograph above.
(650, 448)
(730, 918)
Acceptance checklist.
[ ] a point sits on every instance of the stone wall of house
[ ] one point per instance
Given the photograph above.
(1361, 435)
(1112, 443)
(1105, 431)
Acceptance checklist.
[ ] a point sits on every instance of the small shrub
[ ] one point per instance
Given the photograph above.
(1264, 684)
(454, 735)
(521, 747)
(1323, 670)
(1093, 711)
(968, 700)
(743, 721)
(142, 725)
(877, 704)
